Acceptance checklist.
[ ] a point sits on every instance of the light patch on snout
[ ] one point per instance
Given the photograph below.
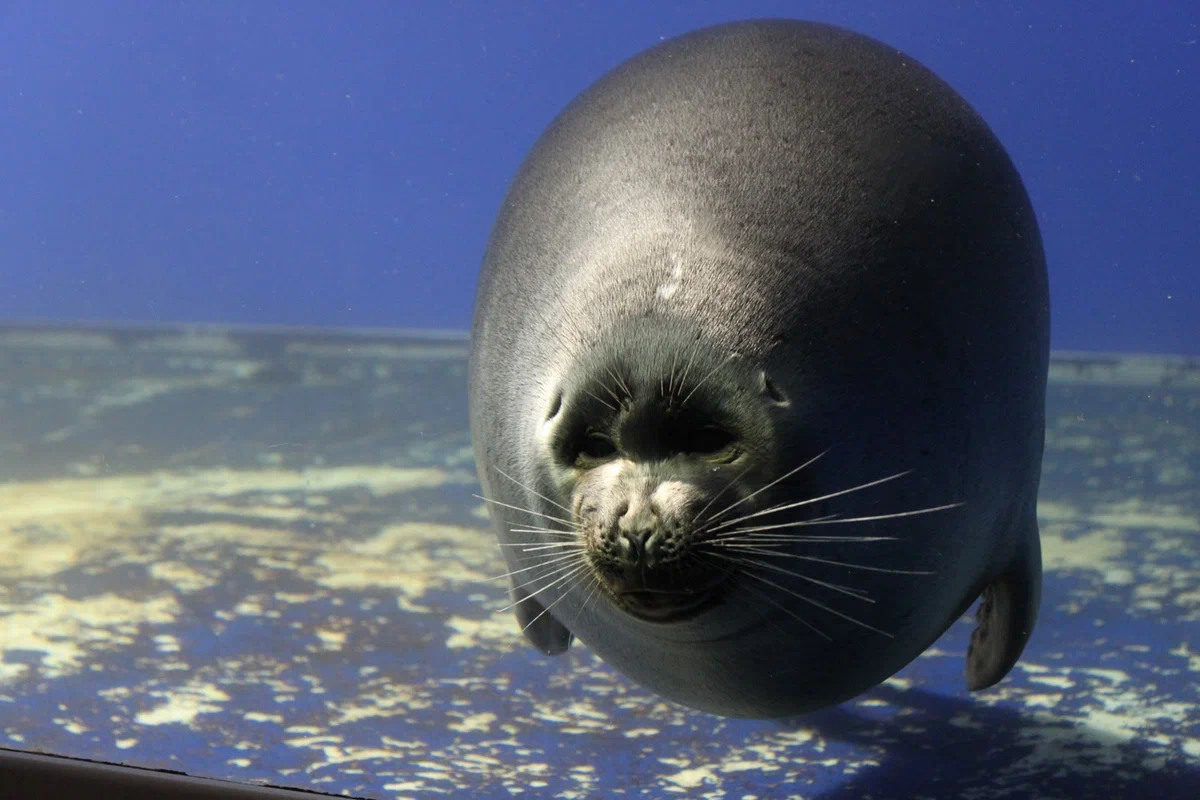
(674, 497)
(611, 471)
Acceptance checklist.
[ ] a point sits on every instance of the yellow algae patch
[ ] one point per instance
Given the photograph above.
(166, 643)
(1133, 513)
(50, 526)
(1098, 540)
(1106, 708)
(495, 630)
(47, 526)
(1193, 658)
(60, 628)
(331, 753)
(693, 777)
(281, 513)
(181, 706)
(634, 733)
(331, 640)
(472, 723)
(381, 700)
(1101, 550)
(410, 558)
(71, 725)
(181, 576)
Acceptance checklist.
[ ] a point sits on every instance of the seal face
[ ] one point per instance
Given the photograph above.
(758, 371)
(642, 450)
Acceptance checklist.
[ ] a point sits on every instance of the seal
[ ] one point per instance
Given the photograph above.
(758, 370)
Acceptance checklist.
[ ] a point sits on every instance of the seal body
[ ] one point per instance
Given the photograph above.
(758, 371)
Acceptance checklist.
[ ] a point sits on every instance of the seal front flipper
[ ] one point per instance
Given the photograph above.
(1007, 614)
(543, 631)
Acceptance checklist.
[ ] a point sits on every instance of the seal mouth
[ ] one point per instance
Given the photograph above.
(662, 605)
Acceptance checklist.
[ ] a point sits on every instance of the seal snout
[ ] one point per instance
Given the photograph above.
(640, 550)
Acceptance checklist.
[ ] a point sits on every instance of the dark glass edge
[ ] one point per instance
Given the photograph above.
(36, 775)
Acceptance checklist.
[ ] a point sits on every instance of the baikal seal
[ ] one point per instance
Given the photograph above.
(758, 371)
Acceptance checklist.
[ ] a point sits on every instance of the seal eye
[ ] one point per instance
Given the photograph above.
(595, 446)
(709, 440)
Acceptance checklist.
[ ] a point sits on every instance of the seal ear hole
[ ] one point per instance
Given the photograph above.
(555, 406)
(771, 391)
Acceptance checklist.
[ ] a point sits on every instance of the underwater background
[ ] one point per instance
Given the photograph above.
(238, 532)
(310, 163)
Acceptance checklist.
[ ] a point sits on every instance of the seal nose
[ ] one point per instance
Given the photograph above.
(641, 546)
(640, 535)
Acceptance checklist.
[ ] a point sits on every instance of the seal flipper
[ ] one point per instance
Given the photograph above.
(543, 631)
(1007, 614)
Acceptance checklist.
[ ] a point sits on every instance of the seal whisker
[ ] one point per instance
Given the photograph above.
(790, 613)
(546, 532)
(733, 481)
(671, 377)
(532, 547)
(611, 393)
(601, 400)
(725, 566)
(810, 501)
(621, 384)
(787, 539)
(559, 574)
(544, 611)
(752, 549)
(818, 604)
(527, 511)
(832, 520)
(873, 518)
(761, 489)
(532, 491)
(547, 561)
(556, 581)
(540, 529)
(837, 587)
(737, 532)
(595, 588)
(711, 372)
(686, 371)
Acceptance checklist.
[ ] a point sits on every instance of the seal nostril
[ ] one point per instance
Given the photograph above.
(637, 545)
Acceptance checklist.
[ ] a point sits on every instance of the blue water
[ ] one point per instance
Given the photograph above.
(317, 163)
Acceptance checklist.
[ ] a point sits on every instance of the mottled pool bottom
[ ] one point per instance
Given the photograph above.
(255, 554)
